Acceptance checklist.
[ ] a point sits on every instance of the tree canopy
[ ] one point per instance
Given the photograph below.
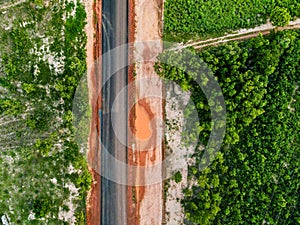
(254, 178)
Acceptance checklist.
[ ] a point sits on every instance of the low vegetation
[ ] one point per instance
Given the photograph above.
(44, 175)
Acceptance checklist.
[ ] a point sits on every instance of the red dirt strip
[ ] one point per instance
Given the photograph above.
(94, 51)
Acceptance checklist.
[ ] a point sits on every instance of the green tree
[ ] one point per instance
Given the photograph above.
(280, 16)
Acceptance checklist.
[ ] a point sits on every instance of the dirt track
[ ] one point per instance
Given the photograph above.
(240, 35)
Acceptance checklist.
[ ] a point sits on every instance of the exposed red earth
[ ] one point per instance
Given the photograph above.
(94, 50)
(131, 207)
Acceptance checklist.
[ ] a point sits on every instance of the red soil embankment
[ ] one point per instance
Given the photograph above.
(131, 209)
(94, 50)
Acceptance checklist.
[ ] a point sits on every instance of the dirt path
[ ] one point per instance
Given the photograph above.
(93, 51)
(239, 35)
(7, 6)
(145, 202)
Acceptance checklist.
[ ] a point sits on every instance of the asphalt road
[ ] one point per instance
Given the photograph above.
(114, 30)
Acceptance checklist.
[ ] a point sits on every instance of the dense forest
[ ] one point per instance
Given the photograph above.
(254, 178)
(44, 172)
(192, 19)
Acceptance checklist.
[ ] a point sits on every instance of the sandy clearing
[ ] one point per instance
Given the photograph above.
(176, 100)
(146, 201)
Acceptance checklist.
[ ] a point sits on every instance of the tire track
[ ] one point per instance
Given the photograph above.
(238, 36)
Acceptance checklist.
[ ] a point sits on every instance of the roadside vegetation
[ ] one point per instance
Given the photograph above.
(198, 19)
(44, 173)
(255, 177)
